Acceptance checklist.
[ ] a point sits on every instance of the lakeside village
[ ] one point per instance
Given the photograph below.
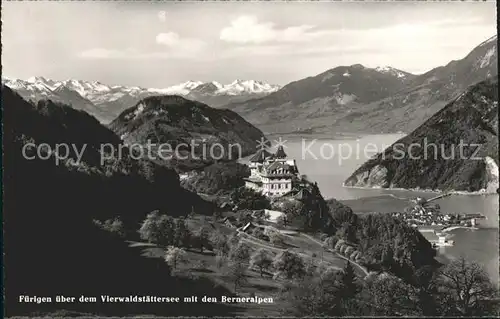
(275, 175)
(432, 223)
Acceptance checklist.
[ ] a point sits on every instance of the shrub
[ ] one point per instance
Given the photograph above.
(338, 245)
(342, 249)
(354, 255)
(275, 238)
(348, 251)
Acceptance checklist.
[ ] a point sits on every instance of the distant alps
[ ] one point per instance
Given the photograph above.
(105, 102)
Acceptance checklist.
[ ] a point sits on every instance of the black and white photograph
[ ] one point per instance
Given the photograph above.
(250, 159)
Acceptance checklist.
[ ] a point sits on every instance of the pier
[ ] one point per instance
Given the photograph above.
(437, 239)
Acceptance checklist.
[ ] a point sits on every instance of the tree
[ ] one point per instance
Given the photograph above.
(244, 217)
(117, 227)
(240, 253)
(315, 296)
(275, 238)
(166, 230)
(182, 235)
(347, 232)
(258, 233)
(353, 256)
(236, 273)
(387, 295)
(149, 227)
(282, 220)
(220, 243)
(233, 240)
(174, 256)
(348, 251)
(425, 282)
(329, 242)
(201, 239)
(246, 198)
(289, 264)
(322, 267)
(339, 244)
(220, 260)
(466, 289)
(348, 288)
(340, 212)
(292, 208)
(114, 226)
(261, 259)
(158, 229)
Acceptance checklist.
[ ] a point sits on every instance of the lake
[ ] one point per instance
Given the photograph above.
(329, 163)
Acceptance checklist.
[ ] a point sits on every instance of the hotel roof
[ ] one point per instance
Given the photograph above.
(260, 156)
(280, 153)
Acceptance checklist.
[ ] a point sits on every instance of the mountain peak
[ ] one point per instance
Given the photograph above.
(384, 68)
(489, 40)
(357, 66)
(390, 70)
(34, 79)
(192, 83)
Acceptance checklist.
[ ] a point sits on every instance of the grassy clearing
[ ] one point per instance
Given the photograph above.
(204, 264)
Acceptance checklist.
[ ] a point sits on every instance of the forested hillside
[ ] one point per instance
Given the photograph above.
(51, 242)
(456, 149)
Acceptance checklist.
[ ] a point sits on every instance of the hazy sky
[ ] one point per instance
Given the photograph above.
(155, 44)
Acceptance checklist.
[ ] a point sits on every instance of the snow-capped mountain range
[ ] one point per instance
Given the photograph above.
(236, 87)
(106, 102)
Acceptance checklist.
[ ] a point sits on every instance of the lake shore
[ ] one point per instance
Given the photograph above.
(480, 245)
(420, 190)
(451, 228)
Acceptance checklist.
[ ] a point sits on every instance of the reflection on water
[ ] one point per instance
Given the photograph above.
(331, 171)
(480, 245)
